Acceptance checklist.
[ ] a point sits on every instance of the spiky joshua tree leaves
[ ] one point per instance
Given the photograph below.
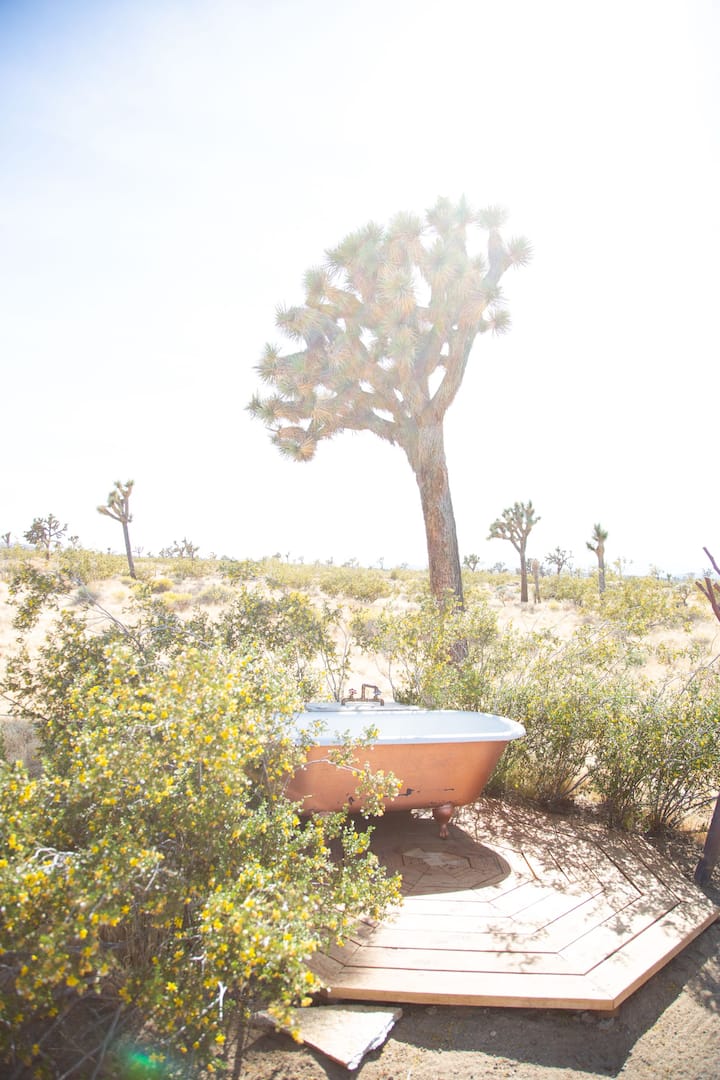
(515, 524)
(118, 508)
(384, 338)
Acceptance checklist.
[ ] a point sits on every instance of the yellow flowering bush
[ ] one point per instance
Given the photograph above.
(155, 884)
(294, 628)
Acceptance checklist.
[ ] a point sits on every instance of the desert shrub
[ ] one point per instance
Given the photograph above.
(658, 759)
(177, 601)
(493, 578)
(33, 590)
(10, 558)
(572, 587)
(293, 628)
(289, 576)
(689, 654)
(564, 693)
(155, 885)
(355, 583)
(89, 566)
(182, 569)
(214, 594)
(407, 586)
(638, 605)
(84, 595)
(239, 570)
(18, 742)
(160, 584)
(36, 687)
(419, 651)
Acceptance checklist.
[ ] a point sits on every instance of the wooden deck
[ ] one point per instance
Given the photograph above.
(517, 908)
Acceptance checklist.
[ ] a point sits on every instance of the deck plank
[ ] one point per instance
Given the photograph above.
(517, 909)
(470, 988)
(467, 960)
(646, 954)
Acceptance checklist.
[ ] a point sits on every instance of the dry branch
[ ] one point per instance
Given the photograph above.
(711, 589)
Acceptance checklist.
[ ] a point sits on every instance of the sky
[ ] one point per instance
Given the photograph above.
(171, 168)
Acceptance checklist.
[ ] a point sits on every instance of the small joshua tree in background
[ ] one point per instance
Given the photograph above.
(559, 559)
(515, 525)
(46, 533)
(185, 549)
(597, 544)
(118, 508)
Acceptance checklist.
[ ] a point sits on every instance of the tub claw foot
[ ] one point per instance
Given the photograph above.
(442, 815)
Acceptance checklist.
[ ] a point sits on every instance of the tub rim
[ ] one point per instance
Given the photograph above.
(353, 723)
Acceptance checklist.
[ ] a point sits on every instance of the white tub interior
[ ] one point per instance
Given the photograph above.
(328, 724)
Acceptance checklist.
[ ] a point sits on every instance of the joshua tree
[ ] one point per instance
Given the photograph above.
(471, 562)
(184, 550)
(385, 335)
(46, 533)
(559, 559)
(597, 544)
(515, 525)
(118, 508)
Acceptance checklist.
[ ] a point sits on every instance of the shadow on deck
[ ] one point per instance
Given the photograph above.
(517, 908)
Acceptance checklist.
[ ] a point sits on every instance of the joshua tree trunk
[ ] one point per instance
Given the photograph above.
(523, 578)
(536, 580)
(118, 508)
(427, 457)
(128, 549)
(597, 544)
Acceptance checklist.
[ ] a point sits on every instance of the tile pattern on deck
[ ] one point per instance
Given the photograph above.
(517, 907)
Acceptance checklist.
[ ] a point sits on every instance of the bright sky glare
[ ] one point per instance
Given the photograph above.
(170, 168)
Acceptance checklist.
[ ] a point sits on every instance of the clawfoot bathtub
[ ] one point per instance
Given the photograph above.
(443, 757)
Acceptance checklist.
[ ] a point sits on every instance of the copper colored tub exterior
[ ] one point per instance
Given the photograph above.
(444, 758)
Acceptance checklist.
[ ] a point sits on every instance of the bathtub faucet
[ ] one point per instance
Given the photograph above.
(365, 686)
